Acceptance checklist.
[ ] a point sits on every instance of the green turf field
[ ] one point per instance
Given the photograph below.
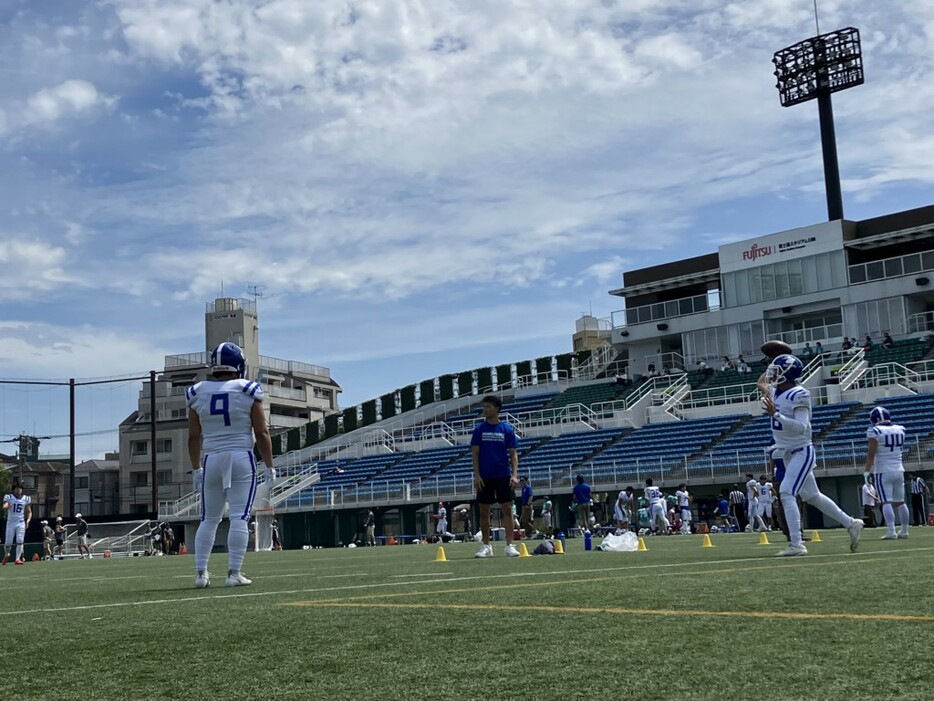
(677, 622)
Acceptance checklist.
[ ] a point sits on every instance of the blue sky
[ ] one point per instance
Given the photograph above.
(422, 187)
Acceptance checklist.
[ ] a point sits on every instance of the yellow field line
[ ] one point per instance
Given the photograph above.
(637, 612)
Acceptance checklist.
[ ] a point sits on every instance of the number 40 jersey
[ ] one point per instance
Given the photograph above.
(891, 439)
(225, 409)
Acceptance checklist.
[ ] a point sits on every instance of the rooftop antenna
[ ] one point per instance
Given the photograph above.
(816, 18)
(256, 292)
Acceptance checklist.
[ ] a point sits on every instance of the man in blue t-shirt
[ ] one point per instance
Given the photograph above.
(582, 499)
(526, 516)
(495, 471)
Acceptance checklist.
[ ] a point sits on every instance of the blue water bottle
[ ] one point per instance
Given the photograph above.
(588, 540)
(564, 544)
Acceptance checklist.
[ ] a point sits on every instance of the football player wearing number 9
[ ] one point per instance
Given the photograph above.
(790, 408)
(884, 460)
(226, 413)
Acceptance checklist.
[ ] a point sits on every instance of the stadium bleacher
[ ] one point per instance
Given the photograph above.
(915, 413)
(908, 350)
(517, 407)
(746, 445)
(589, 395)
(660, 446)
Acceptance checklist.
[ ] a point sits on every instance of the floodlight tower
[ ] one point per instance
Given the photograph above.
(814, 69)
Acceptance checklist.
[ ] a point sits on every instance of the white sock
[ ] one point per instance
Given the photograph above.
(19, 551)
(888, 513)
(904, 515)
(829, 507)
(237, 539)
(792, 518)
(204, 542)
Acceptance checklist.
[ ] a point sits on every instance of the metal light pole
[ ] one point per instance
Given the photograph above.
(815, 69)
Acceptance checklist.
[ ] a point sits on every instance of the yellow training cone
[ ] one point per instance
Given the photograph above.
(559, 548)
(642, 547)
(815, 537)
(523, 551)
(763, 538)
(706, 543)
(441, 557)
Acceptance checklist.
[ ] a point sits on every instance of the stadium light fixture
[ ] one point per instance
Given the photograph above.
(815, 69)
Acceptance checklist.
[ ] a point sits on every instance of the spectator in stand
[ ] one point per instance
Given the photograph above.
(743, 367)
(808, 353)
(621, 377)
(818, 349)
(665, 371)
(887, 341)
(868, 345)
(846, 345)
(727, 364)
(652, 372)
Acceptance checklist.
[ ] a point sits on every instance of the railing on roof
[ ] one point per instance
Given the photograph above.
(292, 366)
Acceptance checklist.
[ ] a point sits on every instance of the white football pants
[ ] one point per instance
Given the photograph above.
(15, 533)
(227, 478)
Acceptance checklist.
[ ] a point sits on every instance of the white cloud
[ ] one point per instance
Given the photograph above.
(66, 99)
(31, 268)
(606, 272)
(41, 350)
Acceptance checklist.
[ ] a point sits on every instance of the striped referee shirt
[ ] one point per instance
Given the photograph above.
(918, 486)
(737, 497)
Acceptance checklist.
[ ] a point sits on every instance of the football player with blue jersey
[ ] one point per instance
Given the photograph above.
(226, 413)
(18, 514)
(789, 407)
(884, 465)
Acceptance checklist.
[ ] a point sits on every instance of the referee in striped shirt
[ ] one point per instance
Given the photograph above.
(919, 494)
(738, 507)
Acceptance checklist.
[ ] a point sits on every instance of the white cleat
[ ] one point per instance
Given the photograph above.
(202, 580)
(485, 551)
(856, 530)
(889, 536)
(903, 536)
(511, 551)
(792, 551)
(236, 579)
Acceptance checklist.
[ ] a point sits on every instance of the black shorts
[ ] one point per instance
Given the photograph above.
(496, 490)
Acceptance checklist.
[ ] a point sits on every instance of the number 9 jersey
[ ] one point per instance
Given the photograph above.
(225, 409)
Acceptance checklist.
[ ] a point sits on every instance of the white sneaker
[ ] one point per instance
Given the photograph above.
(889, 536)
(485, 551)
(856, 530)
(511, 551)
(236, 579)
(793, 551)
(202, 580)
(903, 536)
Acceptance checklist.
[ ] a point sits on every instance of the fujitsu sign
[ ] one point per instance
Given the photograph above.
(756, 251)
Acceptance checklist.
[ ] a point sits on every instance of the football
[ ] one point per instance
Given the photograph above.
(773, 349)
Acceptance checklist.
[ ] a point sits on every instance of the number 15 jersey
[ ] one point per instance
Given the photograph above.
(225, 409)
